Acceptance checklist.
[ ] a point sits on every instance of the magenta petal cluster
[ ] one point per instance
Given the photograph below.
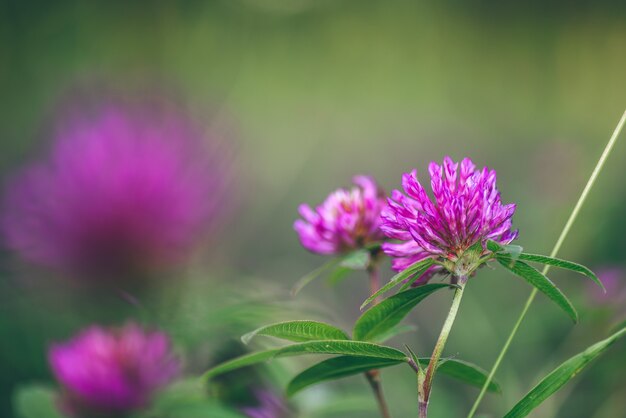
(466, 210)
(121, 190)
(112, 371)
(348, 219)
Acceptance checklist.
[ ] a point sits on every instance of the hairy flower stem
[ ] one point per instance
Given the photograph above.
(373, 376)
(426, 384)
(555, 250)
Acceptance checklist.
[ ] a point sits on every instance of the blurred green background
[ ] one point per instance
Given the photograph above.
(314, 91)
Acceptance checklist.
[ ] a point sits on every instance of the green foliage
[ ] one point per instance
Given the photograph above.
(416, 269)
(467, 373)
(560, 376)
(564, 264)
(513, 250)
(309, 277)
(239, 362)
(514, 253)
(356, 260)
(338, 275)
(349, 348)
(339, 268)
(336, 368)
(540, 282)
(339, 347)
(35, 401)
(388, 313)
(298, 331)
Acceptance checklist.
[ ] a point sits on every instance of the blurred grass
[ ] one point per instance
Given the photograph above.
(315, 92)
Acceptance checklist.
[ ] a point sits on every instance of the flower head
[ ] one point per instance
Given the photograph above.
(121, 192)
(348, 219)
(112, 371)
(466, 211)
(269, 406)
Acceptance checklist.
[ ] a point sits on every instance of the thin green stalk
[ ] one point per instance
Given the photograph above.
(373, 376)
(439, 346)
(555, 250)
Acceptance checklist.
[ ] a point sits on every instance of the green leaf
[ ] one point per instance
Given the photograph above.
(560, 376)
(415, 269)
(388, 313)
(340, 347)
(344, 366)
(356, 260)
(494, 246)
(513, 250)
(239, 362)
(394, 331)
(541, 283)
(336, 368)
(416, 359)
(467, 373)
(348, 348)
(564, 264)
(308, 278)
(298, 331)
(341, 266)
(35, 401)
(338, 275)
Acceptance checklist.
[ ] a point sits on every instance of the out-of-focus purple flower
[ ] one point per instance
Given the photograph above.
(122, 192)
(269, 406)
(466, 210)
(347, 219)
(112, 371)
(614, 281)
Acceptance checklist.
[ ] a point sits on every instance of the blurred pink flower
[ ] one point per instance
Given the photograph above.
(348, 219)
(466, 210)
(614, 281)
(120, 193)
(112, 371)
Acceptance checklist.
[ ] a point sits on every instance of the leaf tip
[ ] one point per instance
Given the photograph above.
(245, 339)
(290, 391)
(295, 290)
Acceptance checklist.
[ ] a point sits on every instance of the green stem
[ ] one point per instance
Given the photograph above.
(373, 376)
(439, 346)
(555, 250)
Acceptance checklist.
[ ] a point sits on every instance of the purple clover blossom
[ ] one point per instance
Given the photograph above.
(269, 406)
(348, 219)
(122, 192)
(112, 371)
(466, 210)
